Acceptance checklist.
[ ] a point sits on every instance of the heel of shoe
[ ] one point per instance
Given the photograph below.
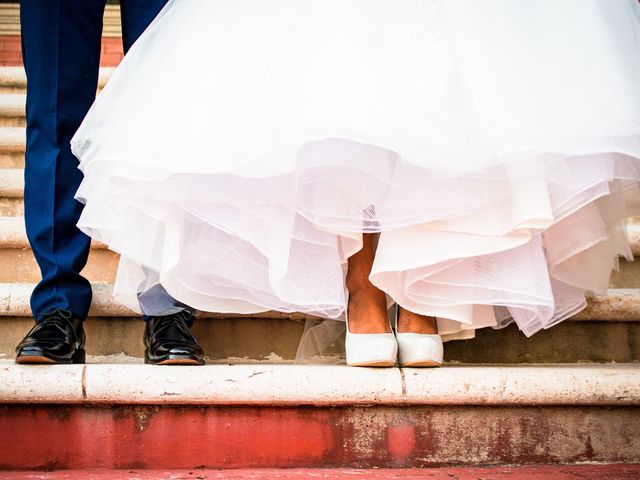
(80, 356)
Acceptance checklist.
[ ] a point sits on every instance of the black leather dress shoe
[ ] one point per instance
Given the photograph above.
(56, 338)
(169, 341)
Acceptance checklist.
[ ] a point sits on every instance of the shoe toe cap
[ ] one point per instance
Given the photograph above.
(374, 349)
(415, 348)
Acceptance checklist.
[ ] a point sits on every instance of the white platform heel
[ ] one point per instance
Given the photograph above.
(370, 349)
(418, 349)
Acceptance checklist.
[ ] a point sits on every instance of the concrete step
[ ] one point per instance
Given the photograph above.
(101, 267)
(529, 472)
(12, 146)
(280, 416)
(12, 113)
(14, 79)
(608, 331)
(320, 385)
(15, 251)
(12, 139)
(11, 192)
(273, 340)
(12, 109)
(629, 273)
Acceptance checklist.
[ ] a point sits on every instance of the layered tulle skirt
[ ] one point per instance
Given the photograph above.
(243, 147)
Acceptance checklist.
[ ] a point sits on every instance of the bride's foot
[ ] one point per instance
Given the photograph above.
(370, 341)
(419, 344)
(368, 311)
(411, 322)
(367, 308)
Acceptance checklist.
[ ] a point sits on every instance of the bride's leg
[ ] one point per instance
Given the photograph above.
(410, 322)
(367, 304)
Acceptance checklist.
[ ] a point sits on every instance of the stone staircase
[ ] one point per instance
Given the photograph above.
(566, 395)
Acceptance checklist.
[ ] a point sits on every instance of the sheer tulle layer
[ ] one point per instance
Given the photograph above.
(529, 244)
(243, 147)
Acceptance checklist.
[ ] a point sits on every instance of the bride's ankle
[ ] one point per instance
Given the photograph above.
(358, 281)
(368, 311)
(411, 322)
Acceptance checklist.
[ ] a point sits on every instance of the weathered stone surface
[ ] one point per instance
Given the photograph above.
(634, 236)
(569, 342)
(12, 78)
(629, 274)
(40, 384)
(16, 78)
(11, 207)
(14, 301)
(101, 267)
(12, 139)
(13, 234)
(272, 340)
(325, 385)
(524, 385)
(9, 159)
(125, 436)
(12, 109)
(11, 181)
(622, 304)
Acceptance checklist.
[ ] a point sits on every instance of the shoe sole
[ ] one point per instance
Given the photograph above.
(78, 358)
(179, 361)
(383, 363)
(173, 360)
(34, 359)
(421, 364)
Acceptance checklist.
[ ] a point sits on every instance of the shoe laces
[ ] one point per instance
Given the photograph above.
(180, 321)
(58, 318)
(56, 314)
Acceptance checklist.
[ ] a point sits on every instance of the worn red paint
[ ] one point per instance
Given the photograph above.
(401, 442)
(545, 472)
(80, 437)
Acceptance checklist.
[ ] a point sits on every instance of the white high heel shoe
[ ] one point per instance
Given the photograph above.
(418, 349)
(370, 349)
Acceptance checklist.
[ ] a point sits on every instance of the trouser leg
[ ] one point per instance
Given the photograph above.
(136, 17)
(155, 300)
(61, 48)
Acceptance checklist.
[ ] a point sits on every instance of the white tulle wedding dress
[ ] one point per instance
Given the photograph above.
(242, 148)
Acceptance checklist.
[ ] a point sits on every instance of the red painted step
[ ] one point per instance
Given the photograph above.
(52, 437)
(545, 472)
(78, 417)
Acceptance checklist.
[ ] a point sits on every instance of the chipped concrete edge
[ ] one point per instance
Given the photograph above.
(323, 386)
(620, 304)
